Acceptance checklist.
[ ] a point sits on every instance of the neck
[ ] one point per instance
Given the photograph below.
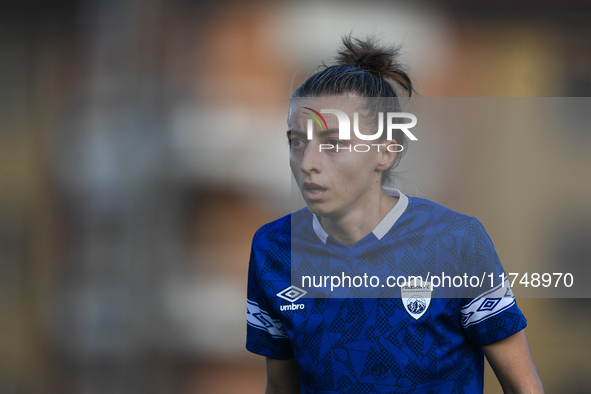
(359, 220)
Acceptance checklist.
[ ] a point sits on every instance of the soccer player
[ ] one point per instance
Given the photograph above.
(355, 340)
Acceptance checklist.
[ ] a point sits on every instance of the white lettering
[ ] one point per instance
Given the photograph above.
(403, 281)
(392, 145)
(292, 307)
(364, 145)
(435, 277)
(346, 277)
(360, 281)
(371, 281)
(370, 137)
(332, 284)
(344, 123)
(310, 129)
(304, 281)
(402, 126)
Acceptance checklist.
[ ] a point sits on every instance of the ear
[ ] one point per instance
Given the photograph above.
(387, 153)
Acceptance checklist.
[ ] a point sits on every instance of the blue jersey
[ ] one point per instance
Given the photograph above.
(379, 345)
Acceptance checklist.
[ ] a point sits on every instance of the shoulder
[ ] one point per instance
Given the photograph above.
(270, 257)
(440, 216)
(280, 229)
(452, 228)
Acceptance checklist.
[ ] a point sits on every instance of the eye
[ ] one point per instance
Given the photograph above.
(335, 142)
(296, 143)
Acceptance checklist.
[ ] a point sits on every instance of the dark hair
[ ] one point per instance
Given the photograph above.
(369, 69)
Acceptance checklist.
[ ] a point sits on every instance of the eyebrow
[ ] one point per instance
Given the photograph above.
(321, 133)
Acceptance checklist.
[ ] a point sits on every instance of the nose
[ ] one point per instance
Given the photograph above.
(312, 160)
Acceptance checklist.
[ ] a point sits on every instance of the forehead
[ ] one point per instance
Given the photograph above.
(300, 106)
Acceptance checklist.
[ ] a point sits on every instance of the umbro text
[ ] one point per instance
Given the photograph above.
(291, 307)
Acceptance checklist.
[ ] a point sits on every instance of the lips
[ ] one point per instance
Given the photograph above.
(313, 191)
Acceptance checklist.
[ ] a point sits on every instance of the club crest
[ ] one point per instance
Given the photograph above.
(416, 298)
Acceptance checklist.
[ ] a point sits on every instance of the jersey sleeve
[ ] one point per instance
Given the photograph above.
(265, 333)
(491, 315)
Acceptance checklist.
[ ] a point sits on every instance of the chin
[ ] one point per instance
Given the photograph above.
(319, 209)
(314, 207)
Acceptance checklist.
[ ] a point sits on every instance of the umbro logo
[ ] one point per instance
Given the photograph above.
(292, 293)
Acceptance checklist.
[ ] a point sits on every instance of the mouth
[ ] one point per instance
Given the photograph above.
(313, 191)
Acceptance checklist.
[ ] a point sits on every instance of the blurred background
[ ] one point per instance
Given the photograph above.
(142, 144)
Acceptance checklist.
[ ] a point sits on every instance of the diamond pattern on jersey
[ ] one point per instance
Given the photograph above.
(453, 372)
(320, 305)
(430, 248)
(416, 340)
(514, 322)
(321, 373)
(343, 382)
(268, 346)
(387, 307)
(273, 263)
(376, 256)
(362, 388)
(313, 343)
(416, 373)
(398, 334)
(380, 365)
(343, 357)
(409, 264)
(415, 239)
(494, 327)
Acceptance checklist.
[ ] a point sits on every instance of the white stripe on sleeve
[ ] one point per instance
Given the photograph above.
(488, 304)
(258, 318)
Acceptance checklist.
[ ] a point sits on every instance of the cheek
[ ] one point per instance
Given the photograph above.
(294, 160)
(295, 168)
(360, 164)
(351, 171)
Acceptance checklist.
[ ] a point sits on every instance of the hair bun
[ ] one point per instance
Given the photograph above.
(379, 60)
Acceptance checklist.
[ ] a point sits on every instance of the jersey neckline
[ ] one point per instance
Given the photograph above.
(383, 226)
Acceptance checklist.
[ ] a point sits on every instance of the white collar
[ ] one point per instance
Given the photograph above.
(384, 226)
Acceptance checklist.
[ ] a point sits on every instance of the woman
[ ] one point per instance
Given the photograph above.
(354, 340)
